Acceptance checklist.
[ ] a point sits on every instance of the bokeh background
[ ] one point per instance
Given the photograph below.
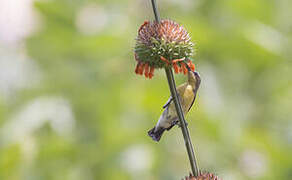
(71, 106)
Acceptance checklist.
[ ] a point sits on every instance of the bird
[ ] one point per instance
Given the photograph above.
(187, 93)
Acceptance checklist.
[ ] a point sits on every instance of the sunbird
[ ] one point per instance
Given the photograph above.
(187, 94)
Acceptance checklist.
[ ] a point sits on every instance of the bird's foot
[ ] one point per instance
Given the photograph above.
(179, 124)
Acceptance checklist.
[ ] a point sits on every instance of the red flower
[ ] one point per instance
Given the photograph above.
(160, 45)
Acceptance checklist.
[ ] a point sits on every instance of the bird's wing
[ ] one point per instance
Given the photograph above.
(192, 103)
(168, 102)
(195, 90)
(170, 98)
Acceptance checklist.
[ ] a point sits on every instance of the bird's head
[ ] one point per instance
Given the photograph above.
(193, 77)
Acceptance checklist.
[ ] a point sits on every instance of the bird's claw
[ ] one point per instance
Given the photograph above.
(179, 124)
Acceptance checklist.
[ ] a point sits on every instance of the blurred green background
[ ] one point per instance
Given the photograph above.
(71, 106)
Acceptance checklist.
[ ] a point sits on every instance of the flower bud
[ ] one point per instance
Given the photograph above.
(202, 176)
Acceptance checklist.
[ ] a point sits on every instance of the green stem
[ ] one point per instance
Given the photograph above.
(172, 87)
(155, 10)
(183, 124)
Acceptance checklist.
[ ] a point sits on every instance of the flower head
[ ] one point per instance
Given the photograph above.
(202, 176)
(160, 45)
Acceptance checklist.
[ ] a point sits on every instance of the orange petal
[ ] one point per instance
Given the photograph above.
(146, 70)
(145, 22)
(164, 59)
(189, 64)
(180, 68)
(178, 60)
(193, 66)
(151, 74)
(137, 68)
(176, 68)
(141, 68)
(185, 70)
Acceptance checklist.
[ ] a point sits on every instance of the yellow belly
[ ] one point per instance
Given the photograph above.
(186, 97)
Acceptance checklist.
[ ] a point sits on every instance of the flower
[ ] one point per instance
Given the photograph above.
(160, 45)
(202, 176)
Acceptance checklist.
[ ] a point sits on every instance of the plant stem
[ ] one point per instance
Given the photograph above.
(172, 87)
(155, 10)
(182, 120)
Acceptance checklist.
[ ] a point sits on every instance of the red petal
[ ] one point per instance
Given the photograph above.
(141, 68)
(146, 70)
(137, 68)
(180, 68)
(176, 68)
(189, 64)
(185, 70)
(163, 59)
(178, 60)
(145, 22)
(151, 74)
(193, 66)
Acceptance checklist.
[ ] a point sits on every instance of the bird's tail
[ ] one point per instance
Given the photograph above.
(156, 134)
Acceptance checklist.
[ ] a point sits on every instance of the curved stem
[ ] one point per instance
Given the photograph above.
(172, 87)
